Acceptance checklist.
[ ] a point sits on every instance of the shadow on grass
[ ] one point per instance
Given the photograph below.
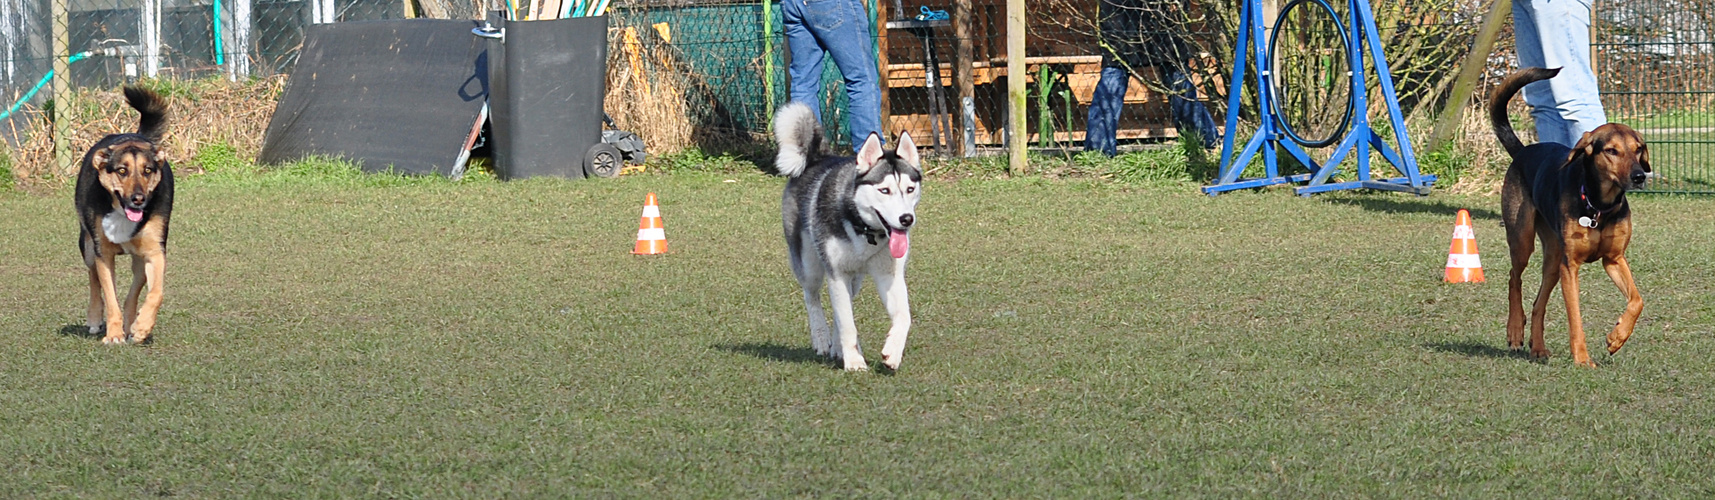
(1396, 205)
(78, 330)
(1475, 349)
(777, 352)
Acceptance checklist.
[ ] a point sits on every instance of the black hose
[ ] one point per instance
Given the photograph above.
(1274, 80)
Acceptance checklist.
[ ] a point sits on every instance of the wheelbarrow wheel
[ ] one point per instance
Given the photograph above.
(603, 160)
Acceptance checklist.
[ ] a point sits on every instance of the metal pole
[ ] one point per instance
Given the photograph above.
(151, 26)
(62, 88)
(1015, 77)
(962, 65)
(768, 54)
(1470, 71)
(6, 37)
(241, 24)
(882, 15)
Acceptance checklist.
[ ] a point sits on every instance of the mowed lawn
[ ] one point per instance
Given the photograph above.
(330, 338)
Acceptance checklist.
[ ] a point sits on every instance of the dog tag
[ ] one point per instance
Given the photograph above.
(1586, 222)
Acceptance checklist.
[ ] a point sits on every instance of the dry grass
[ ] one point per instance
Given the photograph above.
(200, 114)
(646, 89)
(1485, 161)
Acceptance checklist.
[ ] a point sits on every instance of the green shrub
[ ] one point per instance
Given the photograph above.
(5, 170)
(1446, 164)
(1154, 166)
(221, 158)
(694, 160)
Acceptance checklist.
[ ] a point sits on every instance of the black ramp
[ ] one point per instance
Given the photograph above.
(400, 94)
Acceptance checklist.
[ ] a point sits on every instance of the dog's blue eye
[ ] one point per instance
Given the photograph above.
(910, 190)
(885, 191)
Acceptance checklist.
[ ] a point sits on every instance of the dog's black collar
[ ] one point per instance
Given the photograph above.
(868, 232)
(871, 234)
(1593, 216)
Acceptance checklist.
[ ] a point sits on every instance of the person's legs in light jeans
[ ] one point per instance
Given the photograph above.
(1556, 34)
(841, 29)
(1105, 104)
(1189, 114)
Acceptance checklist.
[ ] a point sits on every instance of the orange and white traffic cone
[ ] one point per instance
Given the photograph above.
(1463, 265)
(651, 236)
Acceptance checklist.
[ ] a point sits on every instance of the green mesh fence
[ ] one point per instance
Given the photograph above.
(1656, 62)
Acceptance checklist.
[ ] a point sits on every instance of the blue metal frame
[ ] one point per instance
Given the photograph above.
(1268, 139)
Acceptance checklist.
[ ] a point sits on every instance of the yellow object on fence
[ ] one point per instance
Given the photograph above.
(634, 49)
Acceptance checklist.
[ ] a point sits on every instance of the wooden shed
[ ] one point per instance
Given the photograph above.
(1072, 61)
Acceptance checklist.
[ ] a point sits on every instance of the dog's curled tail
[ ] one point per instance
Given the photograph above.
(1502, 94)
(800, 136)
(152, 107)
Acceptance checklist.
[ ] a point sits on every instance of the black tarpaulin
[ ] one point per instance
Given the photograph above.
(399, 94)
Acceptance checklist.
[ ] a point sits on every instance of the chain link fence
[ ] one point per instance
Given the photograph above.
(110, 42)
(709, 73)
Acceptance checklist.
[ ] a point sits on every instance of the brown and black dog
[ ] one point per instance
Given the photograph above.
(1574, 200)
(124, 199)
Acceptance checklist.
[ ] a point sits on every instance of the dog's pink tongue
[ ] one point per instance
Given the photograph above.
(133, 214)
(897, 243)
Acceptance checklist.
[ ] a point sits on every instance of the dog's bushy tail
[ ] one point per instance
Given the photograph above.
(1502, 94)
(152, 107)
(800, 136)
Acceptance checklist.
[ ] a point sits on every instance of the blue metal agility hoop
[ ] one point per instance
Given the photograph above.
(1269, 138)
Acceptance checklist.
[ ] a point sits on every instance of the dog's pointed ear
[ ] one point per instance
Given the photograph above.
(869, 154)
(908, 150)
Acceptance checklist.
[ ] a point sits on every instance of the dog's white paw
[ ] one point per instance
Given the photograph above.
(96, 329)
(890, 361)
(856, 365)
(892, 354)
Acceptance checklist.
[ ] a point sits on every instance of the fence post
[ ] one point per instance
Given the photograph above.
(1017, 164)
(62, 87)
(768, 56)
(150, 27)
(881, 62)
(8, 47)
(1470, 70)
(239, 64)
(965, 140)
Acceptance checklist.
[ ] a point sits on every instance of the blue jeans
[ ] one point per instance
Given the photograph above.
(1189, 114)
(1556, 34)
(839, 28)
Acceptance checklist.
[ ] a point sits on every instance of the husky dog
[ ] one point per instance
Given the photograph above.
(844, 217)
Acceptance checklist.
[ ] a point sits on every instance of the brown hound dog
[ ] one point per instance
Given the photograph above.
(124, 198)
(1574, 200)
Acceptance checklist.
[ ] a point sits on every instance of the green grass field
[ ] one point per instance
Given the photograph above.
(333, 337)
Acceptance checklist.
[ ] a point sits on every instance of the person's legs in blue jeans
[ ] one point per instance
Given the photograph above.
(805, 71)
(837, 28)
(1556, 34)
(1189, 114)
(1105, 104)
